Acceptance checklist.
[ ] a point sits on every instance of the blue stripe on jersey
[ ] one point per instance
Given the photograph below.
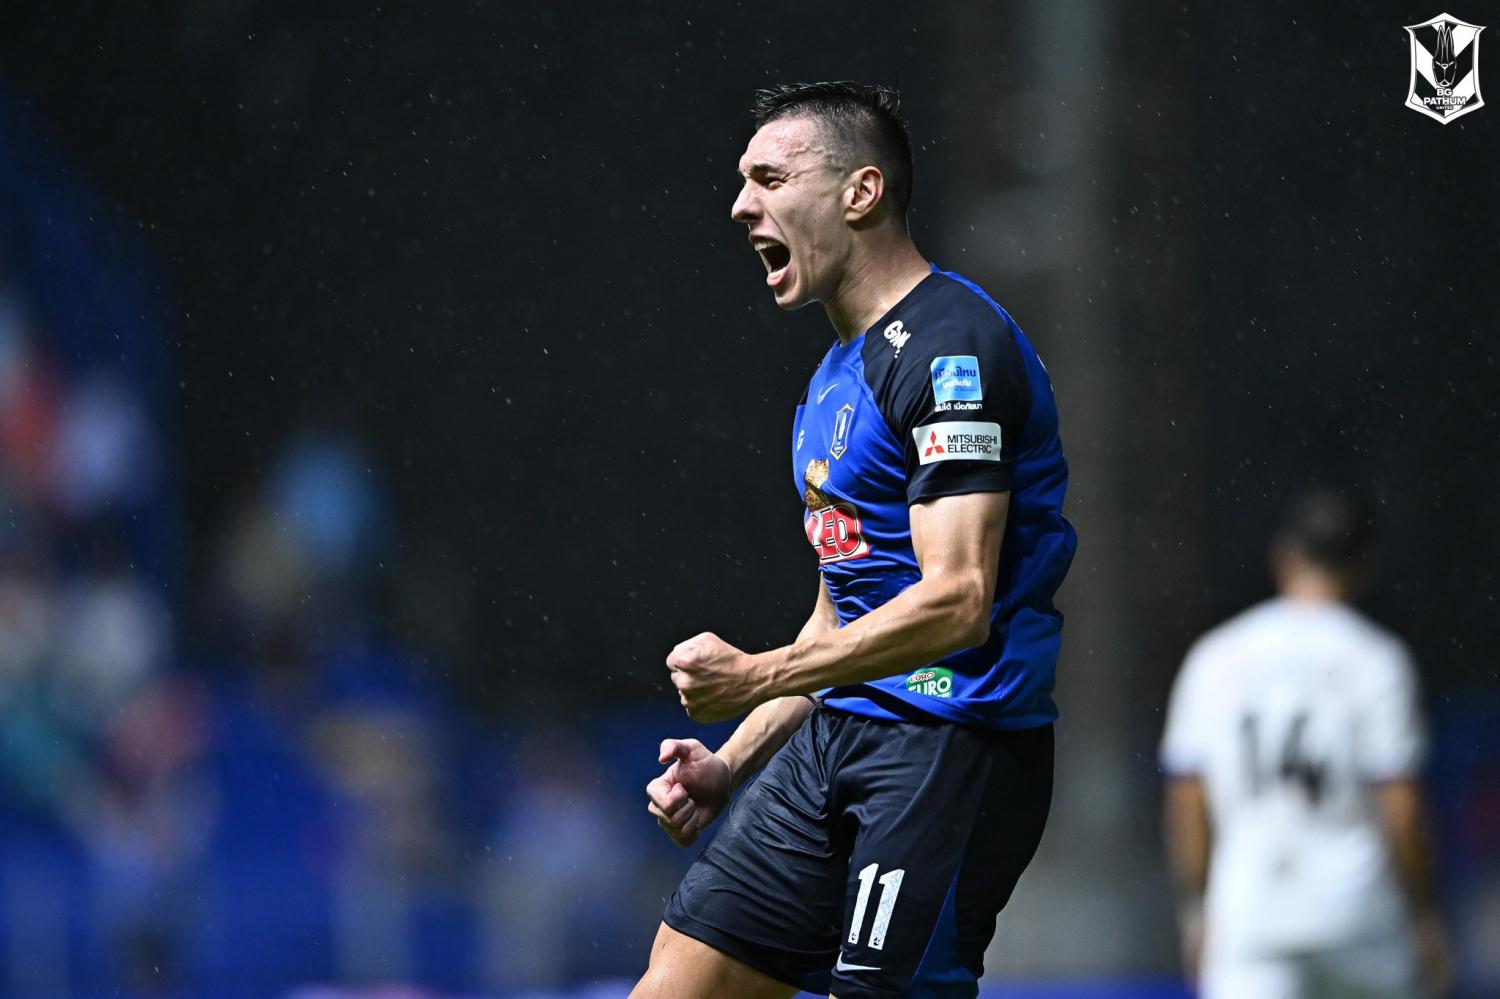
(869, 440)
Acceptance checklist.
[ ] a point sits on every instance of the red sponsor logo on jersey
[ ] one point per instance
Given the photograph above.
(835, 533)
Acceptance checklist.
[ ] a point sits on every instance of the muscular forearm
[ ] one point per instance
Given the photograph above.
(761, 734)
(933, 618)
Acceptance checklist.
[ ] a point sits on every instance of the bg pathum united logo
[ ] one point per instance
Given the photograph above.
(1444, 68)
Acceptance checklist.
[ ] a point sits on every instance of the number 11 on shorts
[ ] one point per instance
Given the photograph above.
(890, 887)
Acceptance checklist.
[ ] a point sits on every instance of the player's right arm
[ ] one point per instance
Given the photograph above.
(698, 784)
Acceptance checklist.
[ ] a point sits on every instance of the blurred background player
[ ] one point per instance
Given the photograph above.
(1294, 815)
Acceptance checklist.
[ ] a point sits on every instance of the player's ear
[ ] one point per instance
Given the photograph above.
(863, 192)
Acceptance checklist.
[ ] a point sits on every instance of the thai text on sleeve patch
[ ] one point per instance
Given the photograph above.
(956, 379)
(957, 440)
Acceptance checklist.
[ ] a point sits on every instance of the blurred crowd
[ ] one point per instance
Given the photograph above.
(248, 780)
(99, 735)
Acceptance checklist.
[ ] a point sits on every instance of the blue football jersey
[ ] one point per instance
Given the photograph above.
(942, 396)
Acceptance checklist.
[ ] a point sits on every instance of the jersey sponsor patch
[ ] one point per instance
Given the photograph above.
(933, 681)
(833, 527)
(836, 533)
(956, 379)
(962, 440)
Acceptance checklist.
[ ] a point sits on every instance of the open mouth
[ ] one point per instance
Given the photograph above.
(774, 255)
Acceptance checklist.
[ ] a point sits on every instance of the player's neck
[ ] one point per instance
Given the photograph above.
(879, 275)
(1310, 586)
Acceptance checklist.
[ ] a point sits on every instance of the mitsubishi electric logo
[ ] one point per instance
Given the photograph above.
(1444, 68)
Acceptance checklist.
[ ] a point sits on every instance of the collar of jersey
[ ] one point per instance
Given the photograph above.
(905, 300)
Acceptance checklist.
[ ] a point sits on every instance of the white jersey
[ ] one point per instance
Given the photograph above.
(1288, 712)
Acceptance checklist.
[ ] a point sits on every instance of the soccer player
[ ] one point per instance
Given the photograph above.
(1293, 811)
(906, 734)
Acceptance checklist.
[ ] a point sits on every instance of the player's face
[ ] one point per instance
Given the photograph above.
(793, 202)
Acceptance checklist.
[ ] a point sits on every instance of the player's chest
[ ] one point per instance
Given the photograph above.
(845, 465)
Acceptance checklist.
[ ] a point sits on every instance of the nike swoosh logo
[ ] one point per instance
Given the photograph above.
(823, 394)
(840, 965)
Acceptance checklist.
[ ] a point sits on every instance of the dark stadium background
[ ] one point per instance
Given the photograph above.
(477, 258)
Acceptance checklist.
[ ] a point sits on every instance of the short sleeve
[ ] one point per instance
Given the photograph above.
(1186, 739)
(1392, 735)
(957, 400)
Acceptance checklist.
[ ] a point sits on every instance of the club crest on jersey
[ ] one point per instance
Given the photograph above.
(1444, 68)
(955, 382)
(843, 420)
(896, 335)
(833, 526)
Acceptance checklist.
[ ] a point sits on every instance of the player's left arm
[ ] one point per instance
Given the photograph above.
(1404, 815)
(1192, 727)
(957, 543)
(1393, 745)
(1402, 812)
(1185, 824)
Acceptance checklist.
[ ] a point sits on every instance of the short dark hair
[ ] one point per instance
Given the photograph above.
(863, 120)
(1334, 529)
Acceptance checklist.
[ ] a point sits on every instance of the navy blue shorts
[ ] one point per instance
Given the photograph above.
(870, 857)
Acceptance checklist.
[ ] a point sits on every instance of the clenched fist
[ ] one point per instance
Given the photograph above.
(693, 791)
(714, 680)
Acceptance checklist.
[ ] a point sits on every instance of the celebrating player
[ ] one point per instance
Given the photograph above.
(906, 735)
(1292, 747)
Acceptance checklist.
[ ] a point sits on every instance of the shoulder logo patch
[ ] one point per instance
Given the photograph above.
(956, 379)
(896, 335)
(957, 440)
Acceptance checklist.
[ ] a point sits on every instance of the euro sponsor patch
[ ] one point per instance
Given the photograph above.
(934, 681)
(957, 440)
(956, 379)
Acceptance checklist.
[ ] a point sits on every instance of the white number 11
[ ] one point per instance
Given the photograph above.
(890, 886)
